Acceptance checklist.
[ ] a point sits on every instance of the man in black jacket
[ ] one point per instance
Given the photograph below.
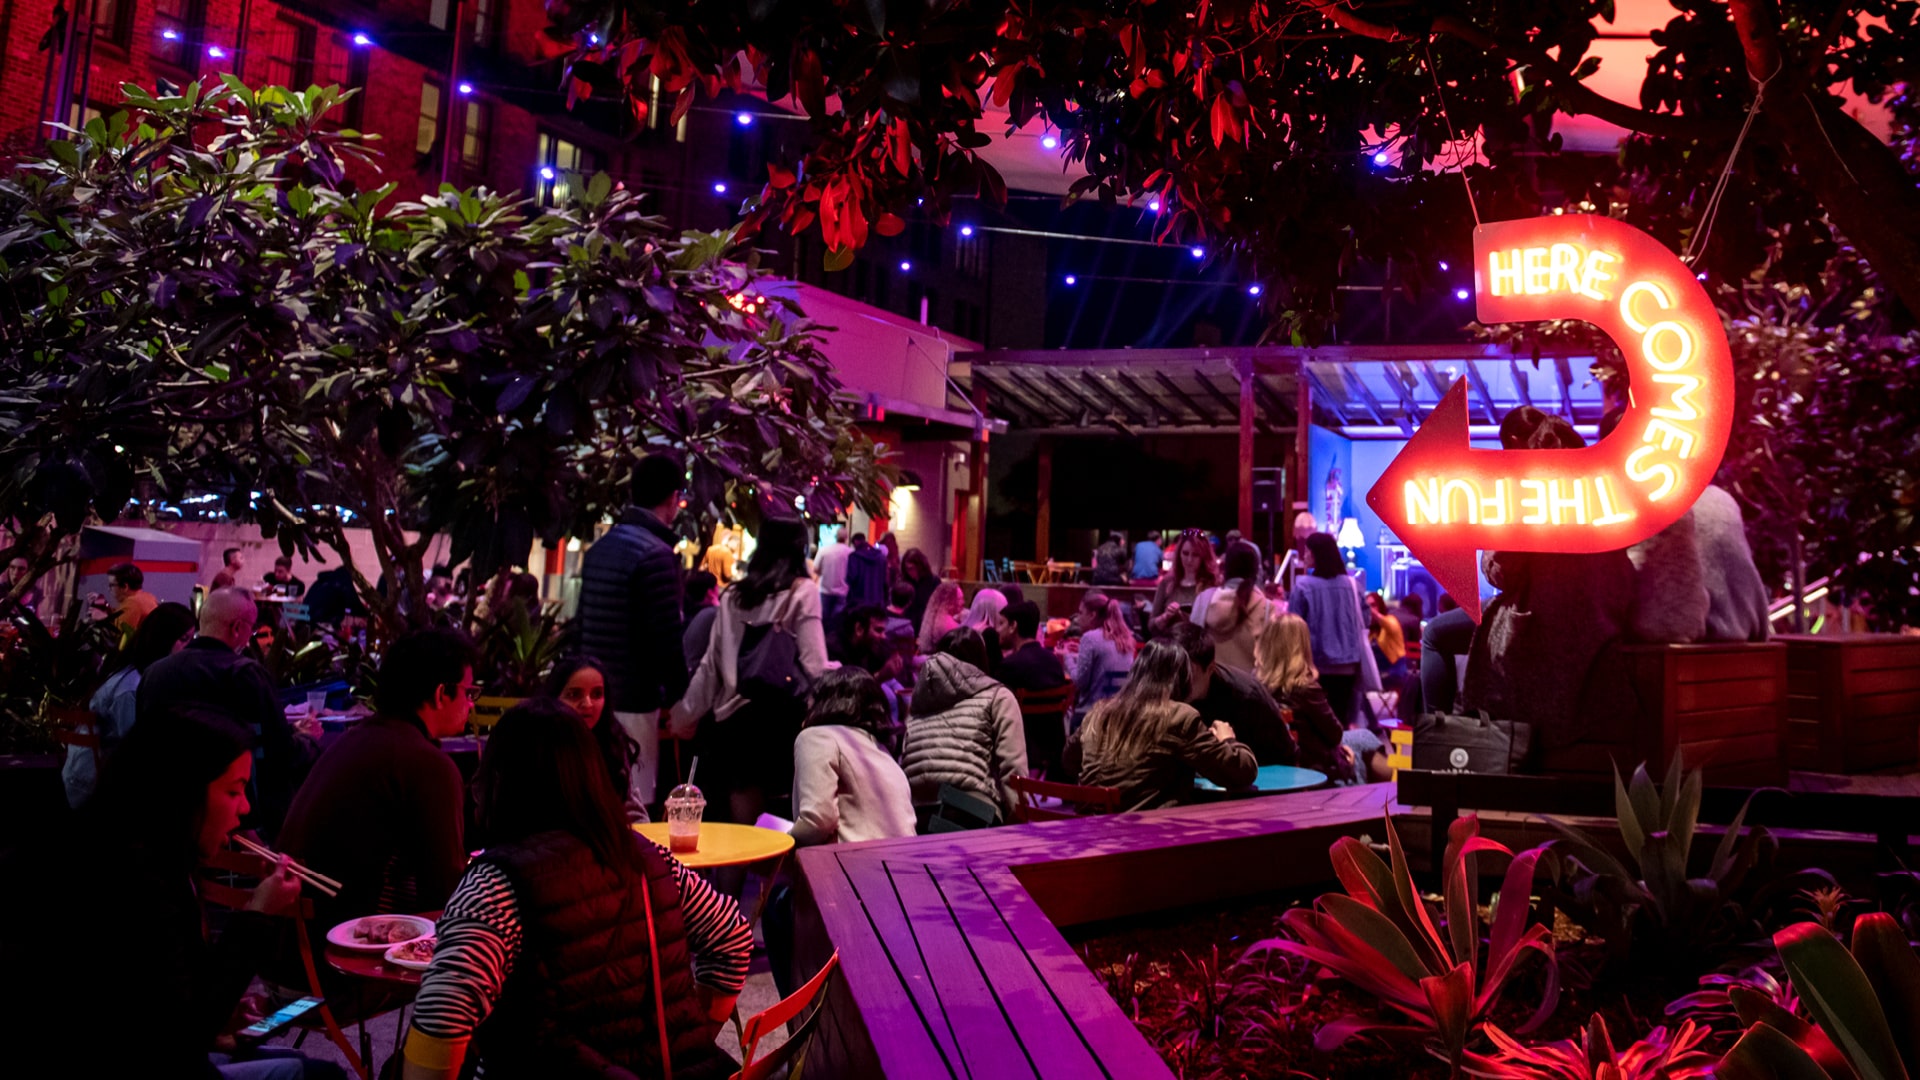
(1236, 699)
(630, 613)
(211, 676)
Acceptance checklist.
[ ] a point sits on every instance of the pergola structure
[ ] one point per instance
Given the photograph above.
(1356, 391)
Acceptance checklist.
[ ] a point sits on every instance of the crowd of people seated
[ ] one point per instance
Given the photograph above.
(852, 693)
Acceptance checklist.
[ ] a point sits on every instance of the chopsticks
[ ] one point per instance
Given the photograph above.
(314, 878)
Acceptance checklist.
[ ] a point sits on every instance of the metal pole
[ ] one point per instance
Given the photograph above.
(240, 40)
(455, 109)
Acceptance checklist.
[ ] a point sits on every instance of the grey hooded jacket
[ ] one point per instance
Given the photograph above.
(963, 729)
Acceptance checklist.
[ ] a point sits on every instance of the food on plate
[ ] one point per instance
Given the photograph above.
(377, 931)
(417, 951)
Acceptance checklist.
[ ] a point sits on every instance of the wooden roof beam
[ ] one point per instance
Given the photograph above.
(1187, 399)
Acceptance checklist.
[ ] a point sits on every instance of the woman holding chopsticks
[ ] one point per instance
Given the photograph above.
(109, 960)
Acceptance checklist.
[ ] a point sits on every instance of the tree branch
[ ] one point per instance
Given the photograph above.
(1575, 96)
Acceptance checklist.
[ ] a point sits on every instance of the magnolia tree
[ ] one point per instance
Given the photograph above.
(200, 303)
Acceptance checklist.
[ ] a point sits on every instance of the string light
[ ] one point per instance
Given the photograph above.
(546, 172)
(1050, 142)
(1071, 280)
(1381, 158)
(216, 52)
(719, 187)
(170, 35)
(1443, 265)
(1461, 294)
(1253, 290)
(1153, 206)
(966, 230)
(362, 39)
(744, 119)
(466, 88)
(1197, 252)
(905, 266)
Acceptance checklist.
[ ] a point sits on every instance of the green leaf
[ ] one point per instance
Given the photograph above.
(837, 259)
(299, 200)
(1377, 931)
(1631, 833)
(1765, 1054)
(1723, 853)
(598, 188)
(1890, 964)
(1836, 992)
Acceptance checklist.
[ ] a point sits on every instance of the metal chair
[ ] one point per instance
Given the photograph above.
(1075, 800)
(753, 1067)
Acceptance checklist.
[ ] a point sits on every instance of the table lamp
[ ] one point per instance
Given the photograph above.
(1350, 540)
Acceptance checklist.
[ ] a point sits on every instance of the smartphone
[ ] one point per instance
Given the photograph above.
(279, 1018)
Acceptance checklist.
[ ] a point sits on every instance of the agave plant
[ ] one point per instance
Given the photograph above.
(1687, 915)
(1658, 1056)
(1864, 1004)
(1380, 936)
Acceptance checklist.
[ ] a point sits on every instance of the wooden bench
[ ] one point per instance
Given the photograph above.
(951, 951)
(1887, 818)
(1723, 705)
(1853, 701)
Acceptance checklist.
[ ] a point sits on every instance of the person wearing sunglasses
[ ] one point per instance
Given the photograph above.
(211, 674)
(384, 809)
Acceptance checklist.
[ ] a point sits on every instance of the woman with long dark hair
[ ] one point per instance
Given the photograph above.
(1336, 617)
(112, 902)
(917, 571)
(165, 631)
(846, 786)
(1239, 610)
(580, 683)
(573, 946)
(747, 750)
(1148, 742)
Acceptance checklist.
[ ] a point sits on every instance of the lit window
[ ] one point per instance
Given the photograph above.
(484, 22)
(429, 132)
(558, 159)
(479, 135)
(437, 13)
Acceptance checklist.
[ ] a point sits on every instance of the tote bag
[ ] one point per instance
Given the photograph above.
(1369, 667)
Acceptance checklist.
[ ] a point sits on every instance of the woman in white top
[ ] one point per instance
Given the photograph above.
(746, 750)
(846, 787)
(1238, 611)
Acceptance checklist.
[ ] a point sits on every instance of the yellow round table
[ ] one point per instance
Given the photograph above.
(723, 843)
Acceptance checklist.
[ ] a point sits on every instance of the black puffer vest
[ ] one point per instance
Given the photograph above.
(579, 1002)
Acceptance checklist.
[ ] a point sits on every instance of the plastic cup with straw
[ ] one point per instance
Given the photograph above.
(685, 804)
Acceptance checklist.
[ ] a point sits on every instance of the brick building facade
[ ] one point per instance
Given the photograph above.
(505, 123)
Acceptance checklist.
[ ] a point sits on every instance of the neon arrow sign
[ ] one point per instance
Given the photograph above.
(1447, 501)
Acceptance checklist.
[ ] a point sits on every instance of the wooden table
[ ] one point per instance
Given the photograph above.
(723, 844)
(372, 966)
(1271, 780)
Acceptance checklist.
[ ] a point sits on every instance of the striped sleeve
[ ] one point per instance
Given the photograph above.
(480, 938)
(718, 936)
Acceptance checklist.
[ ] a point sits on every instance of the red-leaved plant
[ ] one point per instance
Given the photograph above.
(1659, 1056)
(1380, 937)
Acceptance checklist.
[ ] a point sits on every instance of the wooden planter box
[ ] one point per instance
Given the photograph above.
(1853, 702)
(1723, 706)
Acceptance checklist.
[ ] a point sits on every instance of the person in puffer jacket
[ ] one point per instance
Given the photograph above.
(963, 728)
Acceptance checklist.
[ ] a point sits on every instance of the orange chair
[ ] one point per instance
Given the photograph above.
(230, 896)
(764, 1021)
(1075, 800)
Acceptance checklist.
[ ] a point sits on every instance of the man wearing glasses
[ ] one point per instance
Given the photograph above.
(211, 675)
(382, 811)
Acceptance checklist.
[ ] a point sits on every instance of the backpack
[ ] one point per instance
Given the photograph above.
(768, 670)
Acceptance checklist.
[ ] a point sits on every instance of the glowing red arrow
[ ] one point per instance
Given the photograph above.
(1447, 501)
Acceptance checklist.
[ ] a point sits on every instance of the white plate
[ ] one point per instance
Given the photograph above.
(342, 935)
(411, 965)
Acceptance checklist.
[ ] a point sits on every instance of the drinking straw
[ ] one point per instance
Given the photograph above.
(693, 768)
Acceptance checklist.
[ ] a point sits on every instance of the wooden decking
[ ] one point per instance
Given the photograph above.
(951, 947)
